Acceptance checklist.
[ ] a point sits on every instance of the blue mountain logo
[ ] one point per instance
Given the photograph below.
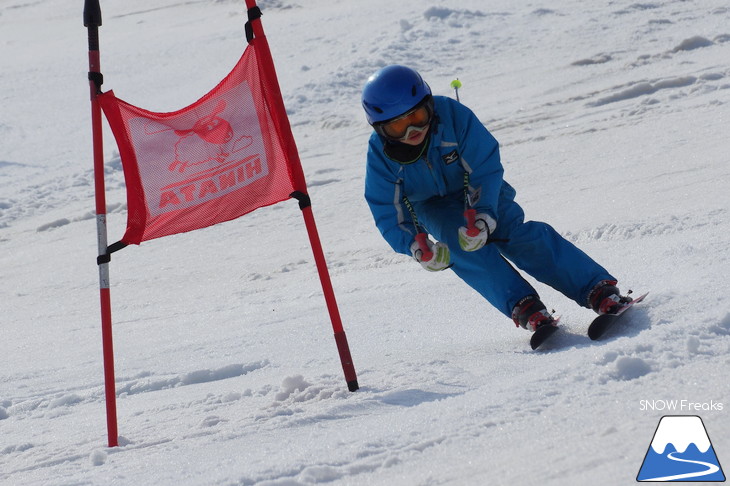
(681, 451)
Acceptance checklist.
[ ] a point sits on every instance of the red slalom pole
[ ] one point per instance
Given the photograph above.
(281, 121)
(343, 347)
(92, 21)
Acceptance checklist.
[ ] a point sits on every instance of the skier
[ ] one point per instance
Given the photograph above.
(433, 167)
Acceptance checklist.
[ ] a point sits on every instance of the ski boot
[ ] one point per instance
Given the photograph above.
(605, 298)
(531, 314)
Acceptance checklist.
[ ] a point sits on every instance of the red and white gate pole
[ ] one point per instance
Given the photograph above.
(92, 21)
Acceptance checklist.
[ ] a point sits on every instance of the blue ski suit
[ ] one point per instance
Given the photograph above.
(432, 190)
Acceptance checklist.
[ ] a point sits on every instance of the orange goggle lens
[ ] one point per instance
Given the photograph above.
(398, 127)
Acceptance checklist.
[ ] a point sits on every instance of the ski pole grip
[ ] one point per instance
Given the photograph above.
(426, 253)
(471, 216)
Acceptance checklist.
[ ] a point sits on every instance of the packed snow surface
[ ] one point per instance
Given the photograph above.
(613, 122)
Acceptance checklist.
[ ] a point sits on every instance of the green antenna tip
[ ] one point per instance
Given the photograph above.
(456, 84)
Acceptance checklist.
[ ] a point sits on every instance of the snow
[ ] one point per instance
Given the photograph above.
(612, 118)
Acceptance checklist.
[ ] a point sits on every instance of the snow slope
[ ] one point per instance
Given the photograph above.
(613, 119)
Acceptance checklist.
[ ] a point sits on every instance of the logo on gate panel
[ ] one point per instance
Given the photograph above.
(200, 155)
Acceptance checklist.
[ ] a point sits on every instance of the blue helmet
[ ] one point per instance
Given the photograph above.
(392, 91)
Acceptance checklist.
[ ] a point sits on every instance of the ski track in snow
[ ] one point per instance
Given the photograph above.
(226, 369)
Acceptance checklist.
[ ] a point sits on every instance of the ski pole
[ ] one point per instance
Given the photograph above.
(456, 84)
(471, 216)
(421, 236)
(426, 253)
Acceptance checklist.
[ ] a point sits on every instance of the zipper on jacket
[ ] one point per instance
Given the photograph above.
(435, 177)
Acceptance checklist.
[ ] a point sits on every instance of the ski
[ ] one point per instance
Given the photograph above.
(601, 323)
(543, 333)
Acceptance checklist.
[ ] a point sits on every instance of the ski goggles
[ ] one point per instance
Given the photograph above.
(401, 127)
